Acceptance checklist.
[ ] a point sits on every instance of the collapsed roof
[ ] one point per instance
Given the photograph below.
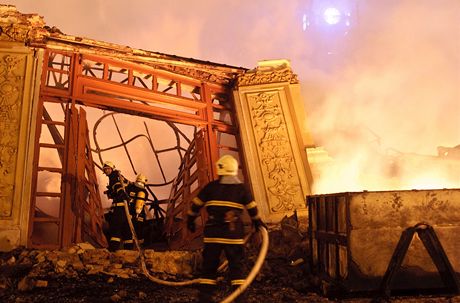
(32, 30)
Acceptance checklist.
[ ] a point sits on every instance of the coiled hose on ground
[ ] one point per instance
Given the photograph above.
(251, 276)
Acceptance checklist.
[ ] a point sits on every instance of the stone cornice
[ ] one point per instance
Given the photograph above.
(275, 71)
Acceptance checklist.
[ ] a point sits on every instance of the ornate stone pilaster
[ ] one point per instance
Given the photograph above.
(11, 84)
(17, 74)
(267, 102)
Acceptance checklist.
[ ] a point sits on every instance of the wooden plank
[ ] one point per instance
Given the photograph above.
(49, 145)
(77, 205)
(53, 122)
(47, 219)
(47, 194)
(86, 185)
(68, 183)
(50, 169)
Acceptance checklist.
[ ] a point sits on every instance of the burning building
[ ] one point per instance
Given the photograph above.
(52, 146)
(58, 92)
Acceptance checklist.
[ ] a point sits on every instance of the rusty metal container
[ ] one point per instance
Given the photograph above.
(353, 236)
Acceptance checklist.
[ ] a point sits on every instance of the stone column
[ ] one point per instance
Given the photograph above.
(273, 131)
(18, 89)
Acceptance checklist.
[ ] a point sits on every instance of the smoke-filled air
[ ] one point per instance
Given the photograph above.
(380, 79)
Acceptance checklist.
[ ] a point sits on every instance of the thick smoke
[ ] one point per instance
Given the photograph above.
(380, 95)
(396, 95)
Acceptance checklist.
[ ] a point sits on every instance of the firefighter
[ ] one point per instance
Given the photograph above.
(224, 200)
(138, 196)
(118, 225)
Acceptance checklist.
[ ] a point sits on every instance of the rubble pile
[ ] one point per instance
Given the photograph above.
(83, 273)
(25, 270)
(83, 258)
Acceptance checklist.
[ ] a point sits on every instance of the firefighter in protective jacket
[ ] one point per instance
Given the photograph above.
(138, 196)
(118, 224)
(224, 200)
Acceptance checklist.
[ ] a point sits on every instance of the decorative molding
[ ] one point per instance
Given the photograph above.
(275, 153)
(18, 27)
(10, 115)
(202, 75)
(32, 30)
(268, 74)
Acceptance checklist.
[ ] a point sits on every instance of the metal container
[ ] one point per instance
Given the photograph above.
(353, 236)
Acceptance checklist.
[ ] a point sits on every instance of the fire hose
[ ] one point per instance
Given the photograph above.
(251, 276)
(255, 269)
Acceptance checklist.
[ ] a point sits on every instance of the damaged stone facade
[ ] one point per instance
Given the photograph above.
(272, 149)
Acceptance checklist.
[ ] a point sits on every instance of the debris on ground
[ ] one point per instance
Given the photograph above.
(83, 273)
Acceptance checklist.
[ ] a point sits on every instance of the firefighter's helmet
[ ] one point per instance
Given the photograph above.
(141, 178)
(227, 165)
(108, 164)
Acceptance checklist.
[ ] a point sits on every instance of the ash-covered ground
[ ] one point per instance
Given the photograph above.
(40, 282)
(85, 274)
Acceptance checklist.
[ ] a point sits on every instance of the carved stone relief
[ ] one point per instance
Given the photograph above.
(275, 153)
(11, 84)
(268, 75)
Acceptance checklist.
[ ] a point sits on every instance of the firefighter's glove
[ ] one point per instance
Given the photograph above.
(258, 224)
(191, 224)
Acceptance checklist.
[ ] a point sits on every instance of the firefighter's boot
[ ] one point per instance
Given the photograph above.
(114, 246)
(128, 244)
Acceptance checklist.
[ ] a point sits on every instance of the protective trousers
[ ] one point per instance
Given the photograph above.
(211, 257)
(119, 228)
